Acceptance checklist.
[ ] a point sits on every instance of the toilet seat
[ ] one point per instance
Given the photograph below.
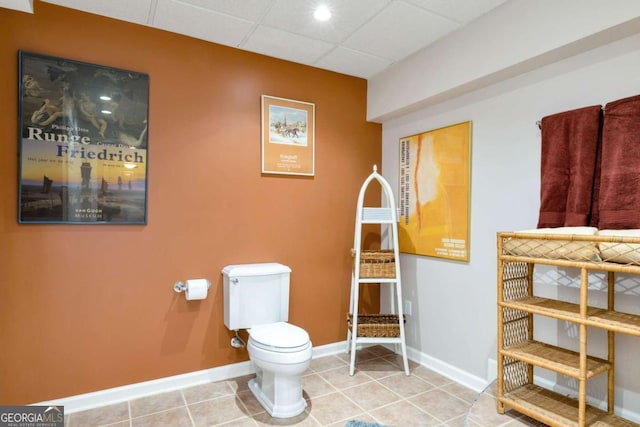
(280, 337)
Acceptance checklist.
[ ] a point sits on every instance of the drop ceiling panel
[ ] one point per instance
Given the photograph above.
(251, 10)
(136, 11)
(198, 22)
(399, 30)
(347, 16)
(354, 63)
(363, 38)
(281, 44)
(461, 11)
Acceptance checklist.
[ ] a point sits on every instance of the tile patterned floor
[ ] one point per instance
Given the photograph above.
(378, 392)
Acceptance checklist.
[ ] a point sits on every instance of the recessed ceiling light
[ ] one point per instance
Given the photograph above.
(322, 13)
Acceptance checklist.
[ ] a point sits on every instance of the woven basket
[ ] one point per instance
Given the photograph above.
(377, 325)
(377, 263)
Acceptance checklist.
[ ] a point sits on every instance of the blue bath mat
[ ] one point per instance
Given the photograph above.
(356, 423)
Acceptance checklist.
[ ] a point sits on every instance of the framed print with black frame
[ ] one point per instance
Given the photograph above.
(83, 142)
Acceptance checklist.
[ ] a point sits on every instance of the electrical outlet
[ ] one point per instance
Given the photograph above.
(407, 307)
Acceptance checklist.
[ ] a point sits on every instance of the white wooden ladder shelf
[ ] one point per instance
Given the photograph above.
(376, 267)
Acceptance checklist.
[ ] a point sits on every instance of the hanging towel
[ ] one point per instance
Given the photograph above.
(595, 199)
(569, 150)
(619, 192)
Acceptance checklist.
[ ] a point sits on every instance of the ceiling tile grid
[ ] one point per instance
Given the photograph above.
(195, 21)
(347, 17)
(460, 11)
(352, 62)
(125, 10)
(281, 44)
(363, 37)
(399, 30)
(252, 10)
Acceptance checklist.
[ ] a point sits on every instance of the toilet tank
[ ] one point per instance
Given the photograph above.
(255, 294)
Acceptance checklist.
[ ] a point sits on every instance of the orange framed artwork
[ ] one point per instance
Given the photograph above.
(435, 184)
(288, 142)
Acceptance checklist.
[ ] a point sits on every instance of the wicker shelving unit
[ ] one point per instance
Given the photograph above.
(376, 267)
(519, 353)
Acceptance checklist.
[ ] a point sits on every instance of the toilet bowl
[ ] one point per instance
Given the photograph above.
(280, 352)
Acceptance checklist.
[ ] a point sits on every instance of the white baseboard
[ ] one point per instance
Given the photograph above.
(473, 382)
(330, 349)
(110, 396)
(83, 402)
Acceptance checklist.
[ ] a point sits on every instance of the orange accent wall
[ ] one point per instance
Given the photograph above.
(89, 307)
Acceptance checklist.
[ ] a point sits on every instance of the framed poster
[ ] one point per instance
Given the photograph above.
(288, 142)
(435, 178)
(83, 142)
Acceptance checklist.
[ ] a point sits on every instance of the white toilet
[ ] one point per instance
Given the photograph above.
(256, 298)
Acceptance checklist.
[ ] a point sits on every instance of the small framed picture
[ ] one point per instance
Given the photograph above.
(288, 141)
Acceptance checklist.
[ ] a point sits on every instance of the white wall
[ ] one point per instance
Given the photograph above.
(454, 303)
(516, 37)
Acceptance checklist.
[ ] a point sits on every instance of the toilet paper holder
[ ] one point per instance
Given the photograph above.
(182, 287)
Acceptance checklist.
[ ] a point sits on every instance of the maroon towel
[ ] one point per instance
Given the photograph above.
(619, 192)
(569, 149)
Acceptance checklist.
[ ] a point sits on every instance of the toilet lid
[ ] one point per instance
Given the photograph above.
(279, 335)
